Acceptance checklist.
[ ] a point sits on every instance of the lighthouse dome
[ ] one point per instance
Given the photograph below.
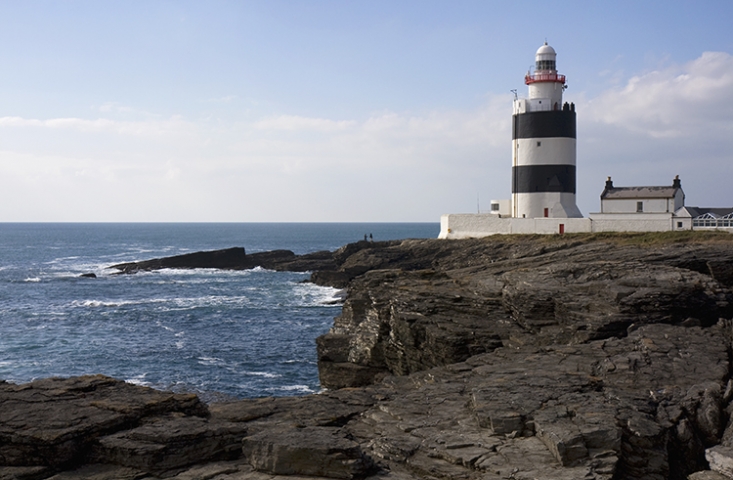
(545, 50)
(545, 58)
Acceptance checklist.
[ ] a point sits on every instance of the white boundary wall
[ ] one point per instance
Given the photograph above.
(482, 225)
(455, 226)
(632, 222)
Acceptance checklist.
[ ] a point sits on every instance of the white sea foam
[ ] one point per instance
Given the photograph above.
(311, 294)
(32, 279)
(118, 303)
(60, 261)
(263, 374)
(207, 272)
(210, 361)
(94, 303)
(165, 327)
(188, 303)
(139, 380)
(296, 388)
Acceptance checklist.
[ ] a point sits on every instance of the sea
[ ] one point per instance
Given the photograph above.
(220, 334)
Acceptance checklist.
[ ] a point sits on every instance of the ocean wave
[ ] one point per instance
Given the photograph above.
(263, 374)
(209, 272)
(311, 295)
(295, 388)
(114, 303)
(172, 304)
(139, 380)
(164, 327)
(65, 273)
(297, 295)
(210, 361)
(95, 303)
(62, 259)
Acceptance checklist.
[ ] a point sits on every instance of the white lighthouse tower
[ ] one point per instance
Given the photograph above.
(543, 144)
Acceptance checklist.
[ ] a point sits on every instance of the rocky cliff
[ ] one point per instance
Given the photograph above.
(596, 357)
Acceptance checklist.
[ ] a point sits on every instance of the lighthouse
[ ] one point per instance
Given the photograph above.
(543, 144)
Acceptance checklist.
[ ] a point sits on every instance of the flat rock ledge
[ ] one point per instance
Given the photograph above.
(511, 358)
(650, 405)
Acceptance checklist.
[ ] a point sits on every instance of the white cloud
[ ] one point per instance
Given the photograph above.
(676, 120)
(289, 167)
(391, 166)
(679, 101)
(298, 123)
(173, 125)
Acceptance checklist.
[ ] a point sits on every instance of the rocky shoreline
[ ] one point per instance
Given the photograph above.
(515, 357)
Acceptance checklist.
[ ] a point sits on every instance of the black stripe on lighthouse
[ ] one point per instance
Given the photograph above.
(543, 178)
(552, 123)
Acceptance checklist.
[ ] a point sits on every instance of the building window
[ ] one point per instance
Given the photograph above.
(539, 144)
(639, 206)
(494, 207)
(679, 224)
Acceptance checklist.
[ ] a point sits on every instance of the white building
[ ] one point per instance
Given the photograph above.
(639, 209)
(704, 218)
(667, 199)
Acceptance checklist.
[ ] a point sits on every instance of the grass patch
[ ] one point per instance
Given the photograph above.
(623, 238)
(663, 238)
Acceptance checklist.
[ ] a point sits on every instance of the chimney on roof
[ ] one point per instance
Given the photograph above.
(676, 183)
(609, 183)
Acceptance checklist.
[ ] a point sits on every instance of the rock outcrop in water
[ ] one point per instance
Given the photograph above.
(235, 258)
(502, 358)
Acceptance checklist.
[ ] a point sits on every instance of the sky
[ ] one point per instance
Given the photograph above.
(345, 111)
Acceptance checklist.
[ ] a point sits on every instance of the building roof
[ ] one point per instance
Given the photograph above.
(667, 191)
(714, 212)
(639, 192)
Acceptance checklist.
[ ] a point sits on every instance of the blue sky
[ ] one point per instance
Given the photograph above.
(344, 111)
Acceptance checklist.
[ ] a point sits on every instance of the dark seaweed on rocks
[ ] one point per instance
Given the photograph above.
(582, 356)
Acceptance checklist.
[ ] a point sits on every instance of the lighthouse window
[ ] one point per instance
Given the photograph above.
(545, 65)
(639, 206)
(539, 144)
